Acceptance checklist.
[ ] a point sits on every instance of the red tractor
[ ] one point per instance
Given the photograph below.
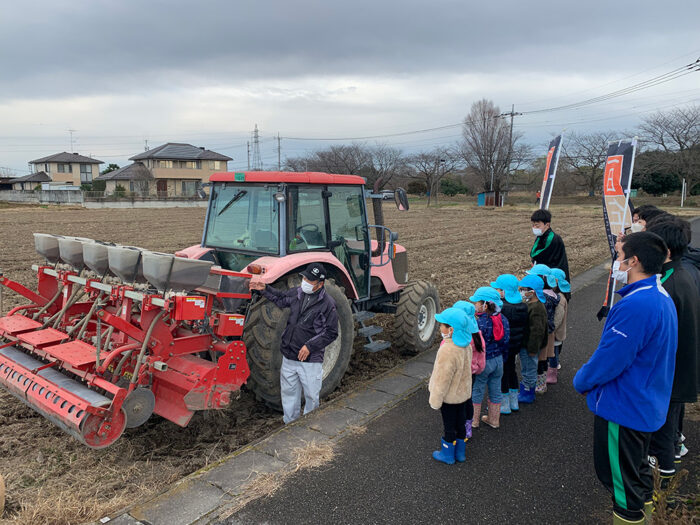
(114, 334)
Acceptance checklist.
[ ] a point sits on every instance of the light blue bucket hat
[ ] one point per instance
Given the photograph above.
(486, 293)
(468, 308)
(535, 283)
(509, 284)
(559, 278)
(457, 319)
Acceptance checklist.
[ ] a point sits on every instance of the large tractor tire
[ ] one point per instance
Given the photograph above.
(414, 325)
(263, 333)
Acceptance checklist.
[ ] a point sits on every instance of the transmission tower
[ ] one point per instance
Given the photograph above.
(257, 160)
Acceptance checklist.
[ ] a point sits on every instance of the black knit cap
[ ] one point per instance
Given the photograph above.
(314, 272)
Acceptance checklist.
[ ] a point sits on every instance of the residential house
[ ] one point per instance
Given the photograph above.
(69, 168)
(134, 178)
(29, 182)
(180, 169)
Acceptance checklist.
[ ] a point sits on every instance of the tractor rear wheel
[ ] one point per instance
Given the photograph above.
(414, 325)
(263, 333)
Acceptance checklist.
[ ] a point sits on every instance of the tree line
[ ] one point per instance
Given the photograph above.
(492, 156)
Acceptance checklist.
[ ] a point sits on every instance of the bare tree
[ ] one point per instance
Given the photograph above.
(676, 131)
(349, 159)
(487, 147)
(431, 166)
(584, 154)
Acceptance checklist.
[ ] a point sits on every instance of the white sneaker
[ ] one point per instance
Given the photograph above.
(684, 450)
(682, 438)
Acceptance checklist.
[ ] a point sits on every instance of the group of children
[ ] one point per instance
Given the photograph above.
(482, 338)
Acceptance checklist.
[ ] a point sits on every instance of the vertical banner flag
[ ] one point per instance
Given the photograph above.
(617, 207)
(550, 172)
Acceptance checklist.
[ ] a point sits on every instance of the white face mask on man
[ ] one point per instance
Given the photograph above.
(618, 274)
(307, 287)
(537, 231)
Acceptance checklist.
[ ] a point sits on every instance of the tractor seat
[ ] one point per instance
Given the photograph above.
(265, 240)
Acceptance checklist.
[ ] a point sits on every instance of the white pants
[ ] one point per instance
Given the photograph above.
(295, 376)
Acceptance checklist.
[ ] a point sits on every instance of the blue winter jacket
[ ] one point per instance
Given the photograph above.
(629, 377)
(494, 348)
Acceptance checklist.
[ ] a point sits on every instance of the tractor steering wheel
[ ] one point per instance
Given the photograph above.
(311, 227)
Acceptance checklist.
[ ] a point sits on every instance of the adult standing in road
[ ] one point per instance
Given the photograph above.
(665, 443)
(312, 325)
(628, 379)
(549, 247)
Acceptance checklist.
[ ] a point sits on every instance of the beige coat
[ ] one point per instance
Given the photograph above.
(560, 315)
(451, 380)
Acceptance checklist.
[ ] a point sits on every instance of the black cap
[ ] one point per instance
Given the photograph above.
(314, 272)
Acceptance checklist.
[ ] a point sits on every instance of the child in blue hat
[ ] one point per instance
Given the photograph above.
(495, 329)
(515, 310)
(450, 384)
(551, 303)
(557, 280)
(535, 336)
(478, 345)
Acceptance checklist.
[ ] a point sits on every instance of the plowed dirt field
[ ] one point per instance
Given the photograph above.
(51, 478)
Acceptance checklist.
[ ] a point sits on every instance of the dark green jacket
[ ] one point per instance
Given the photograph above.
(536, 329)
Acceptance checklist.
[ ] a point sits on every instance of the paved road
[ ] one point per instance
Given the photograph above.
(537, 468)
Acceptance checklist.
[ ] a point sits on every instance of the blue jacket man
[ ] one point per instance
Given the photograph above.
(629, 378)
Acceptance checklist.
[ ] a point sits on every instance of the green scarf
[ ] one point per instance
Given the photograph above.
(666, 275)
(534, 253)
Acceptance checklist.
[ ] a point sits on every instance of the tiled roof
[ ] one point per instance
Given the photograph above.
(135, 171)
(39, 176)
(65, 157)
(177, 151)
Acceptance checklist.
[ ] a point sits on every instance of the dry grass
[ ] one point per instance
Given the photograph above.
(670, 506)
(313, 455)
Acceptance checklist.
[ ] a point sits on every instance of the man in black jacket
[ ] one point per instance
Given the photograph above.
(665, 443)
(549, 247)
(312, 325)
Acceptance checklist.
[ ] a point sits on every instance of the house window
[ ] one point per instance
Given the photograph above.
(65, 168)
(46, 168)
(85, 173)
(215, 165)
(189, 187)
(165, 163)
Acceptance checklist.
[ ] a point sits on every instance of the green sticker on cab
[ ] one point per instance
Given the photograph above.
(239, 177)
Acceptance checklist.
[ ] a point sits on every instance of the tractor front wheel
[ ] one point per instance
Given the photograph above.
(263, 334)
(414, 325)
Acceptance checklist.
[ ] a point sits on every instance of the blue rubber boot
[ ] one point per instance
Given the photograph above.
(505, 404)
(513, 395)
(527, 395)
(446, 454)
(461, 450)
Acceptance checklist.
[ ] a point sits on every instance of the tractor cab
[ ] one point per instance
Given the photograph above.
(258, 214)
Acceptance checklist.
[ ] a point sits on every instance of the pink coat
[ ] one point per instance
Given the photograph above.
(478, 358)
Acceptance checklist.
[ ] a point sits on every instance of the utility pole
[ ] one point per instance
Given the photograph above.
(248, 145)
(279, 152)
(145, 144)
(510, 145)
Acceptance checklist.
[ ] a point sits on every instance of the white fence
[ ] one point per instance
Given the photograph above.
(42, 197)
(94, 200)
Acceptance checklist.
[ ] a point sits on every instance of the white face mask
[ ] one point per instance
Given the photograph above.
(525, 296)
(618, 274)
(537, 231)
(636, 227)
(307, 287)
(447, 335)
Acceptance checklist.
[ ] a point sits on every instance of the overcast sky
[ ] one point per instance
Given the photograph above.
(123, 71)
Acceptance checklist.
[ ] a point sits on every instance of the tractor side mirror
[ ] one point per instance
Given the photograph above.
(401, 199)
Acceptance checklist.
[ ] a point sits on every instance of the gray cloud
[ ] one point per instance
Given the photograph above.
(94, 47)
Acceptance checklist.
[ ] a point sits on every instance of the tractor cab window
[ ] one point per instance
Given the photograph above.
(346, 213)
(243, 217)
(306, 224)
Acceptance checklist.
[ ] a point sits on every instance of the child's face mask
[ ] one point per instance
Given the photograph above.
(447, 334)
